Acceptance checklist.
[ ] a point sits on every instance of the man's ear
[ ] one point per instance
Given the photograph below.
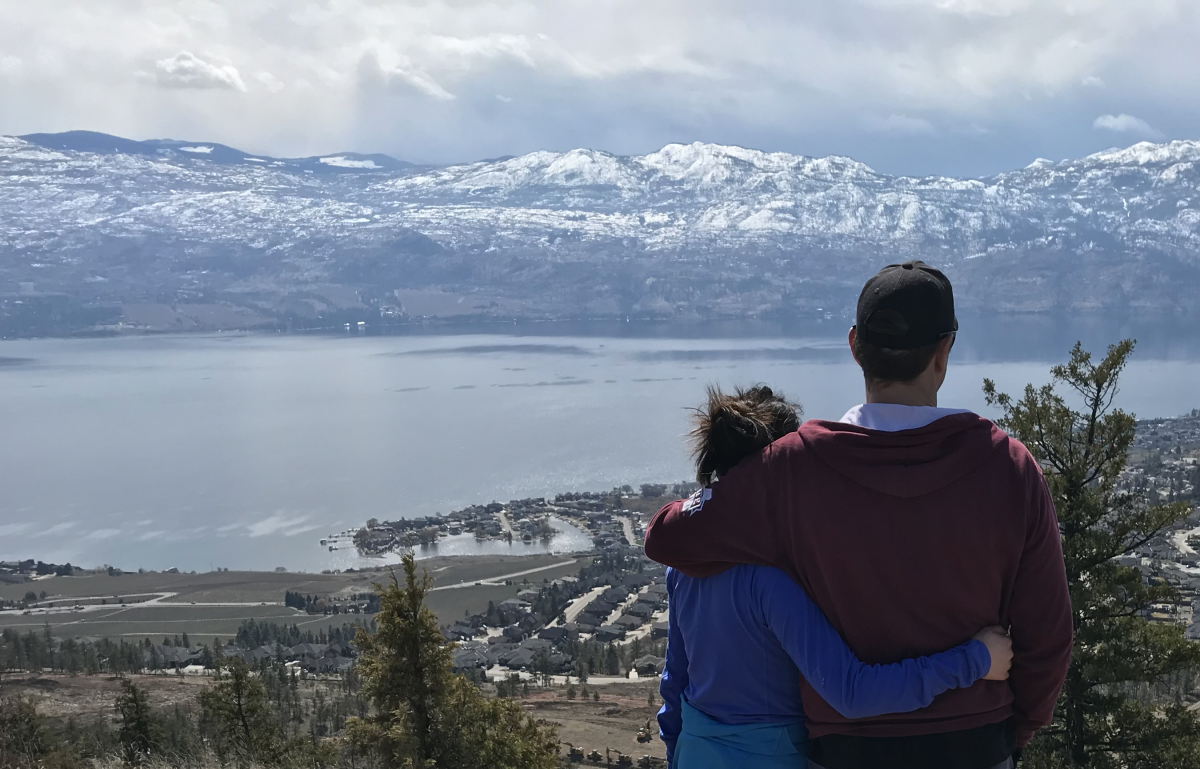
(850, 339)
(942, 356)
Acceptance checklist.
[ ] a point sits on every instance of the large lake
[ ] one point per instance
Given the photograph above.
(242, 451)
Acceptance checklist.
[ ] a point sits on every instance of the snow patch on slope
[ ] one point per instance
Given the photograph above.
(1144, 153)
(692, 196)
(339, 161)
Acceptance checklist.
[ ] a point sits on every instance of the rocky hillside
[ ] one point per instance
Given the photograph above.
(103, 232)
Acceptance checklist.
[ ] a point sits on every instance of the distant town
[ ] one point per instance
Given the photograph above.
(607, 620)
(1165, 468)
(608, 517)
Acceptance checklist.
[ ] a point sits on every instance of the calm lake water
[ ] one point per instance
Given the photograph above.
(242, 451)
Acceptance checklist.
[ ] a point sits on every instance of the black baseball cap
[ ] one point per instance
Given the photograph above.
(906, 306)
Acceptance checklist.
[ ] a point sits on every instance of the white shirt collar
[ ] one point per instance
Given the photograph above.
(893, 417)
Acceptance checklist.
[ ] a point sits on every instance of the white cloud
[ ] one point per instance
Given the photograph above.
(494, 46)
(397, 71)
(1126, 124)
(903, 124)
(10, 65)
(423, 79)
(186, 70)
(270, 82)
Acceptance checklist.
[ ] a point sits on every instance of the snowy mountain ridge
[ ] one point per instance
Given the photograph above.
(585, 232)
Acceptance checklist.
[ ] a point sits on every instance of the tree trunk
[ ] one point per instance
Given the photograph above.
(1075, 722)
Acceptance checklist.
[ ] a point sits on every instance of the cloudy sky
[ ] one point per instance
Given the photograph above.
(965, 87)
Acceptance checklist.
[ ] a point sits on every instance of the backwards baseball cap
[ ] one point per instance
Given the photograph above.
(906, 306)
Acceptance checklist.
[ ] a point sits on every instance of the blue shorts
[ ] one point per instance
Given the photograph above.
(705, 743)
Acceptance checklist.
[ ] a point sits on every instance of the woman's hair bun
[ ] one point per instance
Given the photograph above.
(731, 426)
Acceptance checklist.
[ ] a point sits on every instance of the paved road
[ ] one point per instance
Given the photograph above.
(159, 601)
(81, 618)
(576, 607)
(628, 526)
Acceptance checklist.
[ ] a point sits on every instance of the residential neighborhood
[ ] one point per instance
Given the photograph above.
(569, 626)
(1165, 468)
(311, 658)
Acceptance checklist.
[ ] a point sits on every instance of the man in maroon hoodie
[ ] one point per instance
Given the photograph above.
(911, 526)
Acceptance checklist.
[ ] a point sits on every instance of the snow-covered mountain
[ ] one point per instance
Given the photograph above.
(688, 231)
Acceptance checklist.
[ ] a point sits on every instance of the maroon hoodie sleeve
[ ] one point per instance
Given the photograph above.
(1040, 618)
(732, 521)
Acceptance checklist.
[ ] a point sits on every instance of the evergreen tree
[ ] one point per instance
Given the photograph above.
(612, 663)
(138, 730)
(1099, 722)
(48, 642)
(425, 715)
(238, 717)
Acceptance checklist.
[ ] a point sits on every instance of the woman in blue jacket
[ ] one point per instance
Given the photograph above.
(739, 641)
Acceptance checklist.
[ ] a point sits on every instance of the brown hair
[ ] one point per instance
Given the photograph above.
(880, 364)
(731, 427)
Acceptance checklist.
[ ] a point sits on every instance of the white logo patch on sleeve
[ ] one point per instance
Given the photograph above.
(695, 503)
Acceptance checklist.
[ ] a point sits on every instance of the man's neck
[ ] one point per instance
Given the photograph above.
(902, 394)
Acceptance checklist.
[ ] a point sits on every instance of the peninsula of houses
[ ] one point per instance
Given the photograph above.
(607, 517)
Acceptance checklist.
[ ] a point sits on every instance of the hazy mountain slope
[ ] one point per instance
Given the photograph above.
(689, 231)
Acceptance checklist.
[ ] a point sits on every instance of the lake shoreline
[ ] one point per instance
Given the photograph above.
(241, 451)
(617, 326)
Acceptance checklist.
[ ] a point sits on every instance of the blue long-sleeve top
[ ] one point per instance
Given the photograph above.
(739, 641)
